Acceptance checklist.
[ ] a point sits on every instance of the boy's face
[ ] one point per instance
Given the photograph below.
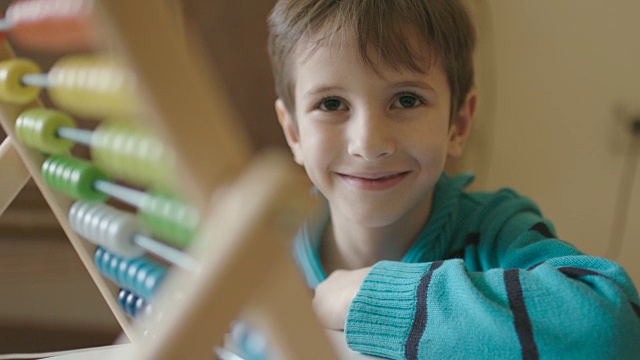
(374, 144)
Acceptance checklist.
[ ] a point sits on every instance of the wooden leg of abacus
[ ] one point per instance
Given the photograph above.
(13, 174)
(248, 266)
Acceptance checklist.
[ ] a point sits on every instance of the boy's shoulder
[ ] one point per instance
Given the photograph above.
(478, 209)
(449, 185)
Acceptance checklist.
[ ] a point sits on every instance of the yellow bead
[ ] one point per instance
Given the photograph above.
(11, 88)
(92, 86)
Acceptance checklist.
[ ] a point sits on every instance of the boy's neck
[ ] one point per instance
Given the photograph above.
(347, 246)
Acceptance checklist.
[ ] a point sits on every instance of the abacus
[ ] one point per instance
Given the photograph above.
(182, 230)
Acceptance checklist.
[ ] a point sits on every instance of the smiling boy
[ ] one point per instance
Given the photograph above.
(374, 97)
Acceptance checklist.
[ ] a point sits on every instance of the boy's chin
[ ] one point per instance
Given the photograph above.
(371, 218)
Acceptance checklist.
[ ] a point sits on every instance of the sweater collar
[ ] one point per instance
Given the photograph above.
(431, 244)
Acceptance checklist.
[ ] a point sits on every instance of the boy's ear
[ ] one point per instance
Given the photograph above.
(461, 125)
(290, 130)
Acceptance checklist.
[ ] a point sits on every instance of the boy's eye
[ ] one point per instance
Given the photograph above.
(407, 101)
(331, 104)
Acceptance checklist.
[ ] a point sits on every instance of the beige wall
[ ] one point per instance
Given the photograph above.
(552, 75)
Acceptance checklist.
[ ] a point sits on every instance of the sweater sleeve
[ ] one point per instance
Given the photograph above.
(519, 292)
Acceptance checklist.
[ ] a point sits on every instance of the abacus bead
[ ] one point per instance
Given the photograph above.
(113, 267)
(251, 342)
(121, 277)
(97, 258)
(58, 25)
(143, 271)
(11, 88)
(37, 128)
(132, 272)
(130, 304)
(105, 263)
(122, 298)
(169, 219)
(92, 86)
(153, 280)
(73, 177)
(139, 306)
(127, 152)
(256, 345)
(106, 226)
(146, 276)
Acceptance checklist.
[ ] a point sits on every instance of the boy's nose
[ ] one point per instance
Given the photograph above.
(370, 138)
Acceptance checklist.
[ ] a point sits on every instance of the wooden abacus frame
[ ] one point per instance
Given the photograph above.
(246, 264)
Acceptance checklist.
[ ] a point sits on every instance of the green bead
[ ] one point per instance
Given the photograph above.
(169, 219)
(37, 128)
(73, 177)
(11, 88)
(129, 153)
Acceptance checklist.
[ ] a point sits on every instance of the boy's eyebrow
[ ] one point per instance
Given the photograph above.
(415, 83)
(321, 89)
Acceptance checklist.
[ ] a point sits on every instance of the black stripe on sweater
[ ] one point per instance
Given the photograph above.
(636, 309)
(521, 319)
(542, 229)
(574, 273)
(535, 266)
(420, 318)
(471, 239)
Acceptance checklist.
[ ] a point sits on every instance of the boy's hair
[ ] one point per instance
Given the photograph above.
(443, 26)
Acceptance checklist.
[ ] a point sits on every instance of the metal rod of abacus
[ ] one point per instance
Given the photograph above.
(167, 253)
(126, 195)
(5, 25)
(36, 80)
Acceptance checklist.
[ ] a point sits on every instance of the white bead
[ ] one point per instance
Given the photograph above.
(106, 226)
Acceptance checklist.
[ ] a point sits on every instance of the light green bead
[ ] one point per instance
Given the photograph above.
(128, 153)
(37, 128)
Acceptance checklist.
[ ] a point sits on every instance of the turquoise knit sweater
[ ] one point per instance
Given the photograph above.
(487, 279)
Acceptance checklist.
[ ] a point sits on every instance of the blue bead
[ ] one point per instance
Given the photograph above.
(122, 295)
(130, 304)
(153, 279)
(144, 272)
(97, 256)
(139, 306)
(132, 272)
(100, 260)
(112, 268)
(121, 272)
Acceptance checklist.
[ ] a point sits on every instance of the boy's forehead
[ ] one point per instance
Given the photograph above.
(338, 47)
(331, 65)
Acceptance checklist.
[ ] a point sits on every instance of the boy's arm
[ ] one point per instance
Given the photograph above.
(533, 297)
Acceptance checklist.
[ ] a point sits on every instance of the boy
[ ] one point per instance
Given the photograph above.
(374, 97)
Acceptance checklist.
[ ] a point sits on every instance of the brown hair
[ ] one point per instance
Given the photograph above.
(443, 26)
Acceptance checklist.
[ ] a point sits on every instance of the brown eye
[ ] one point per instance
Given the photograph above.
(407, 101)
(331, 104)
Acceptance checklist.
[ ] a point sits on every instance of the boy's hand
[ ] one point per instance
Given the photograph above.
(334, 296)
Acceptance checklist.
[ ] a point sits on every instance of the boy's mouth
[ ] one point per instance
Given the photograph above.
(374, 181)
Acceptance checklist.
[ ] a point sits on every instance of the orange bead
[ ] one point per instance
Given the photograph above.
(59, 25)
